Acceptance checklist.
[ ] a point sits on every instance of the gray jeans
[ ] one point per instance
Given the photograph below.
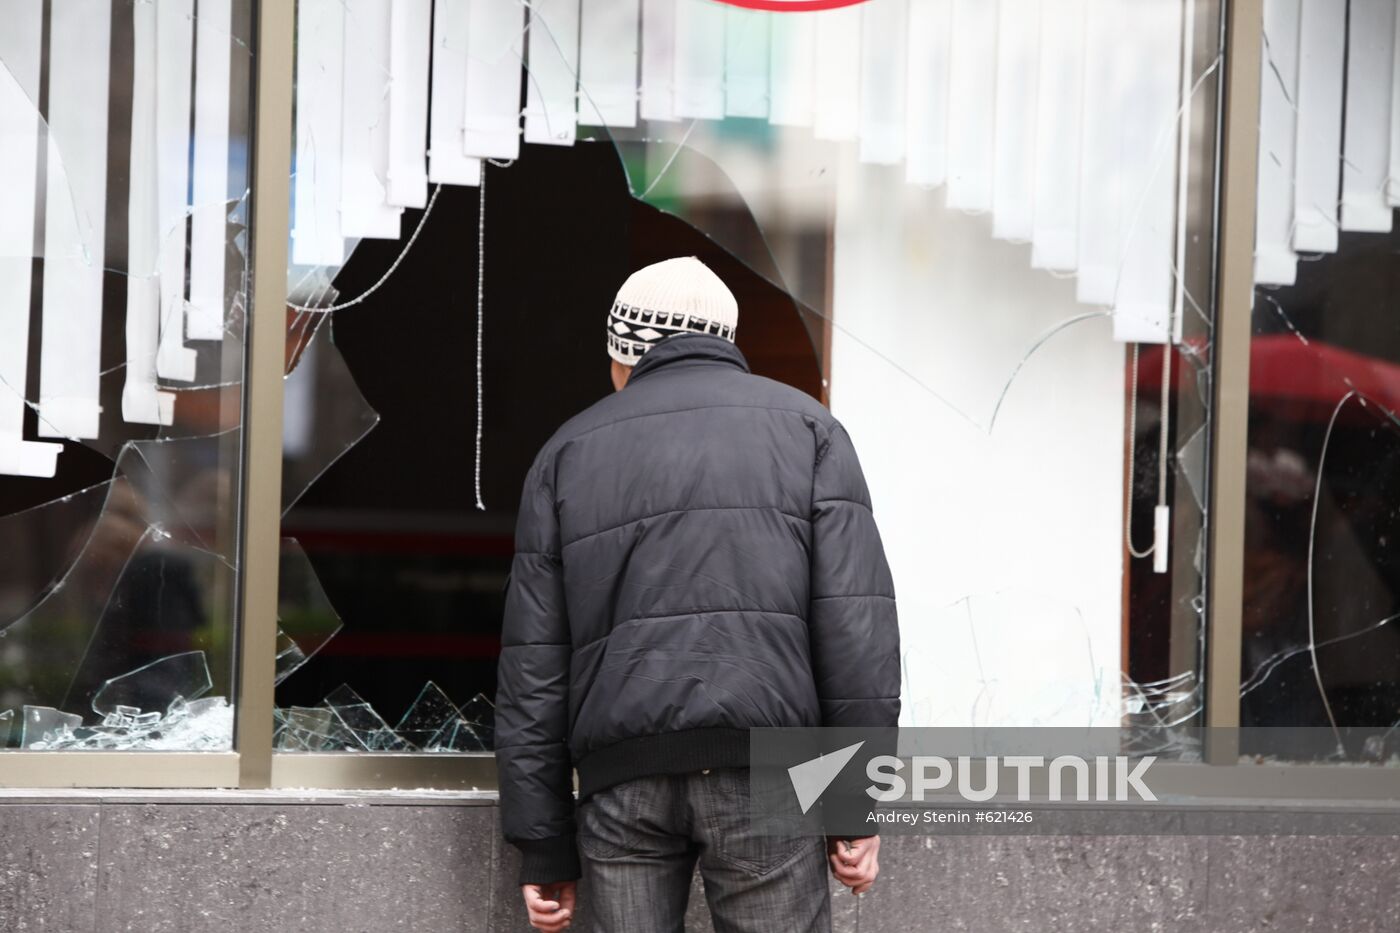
(641, 840)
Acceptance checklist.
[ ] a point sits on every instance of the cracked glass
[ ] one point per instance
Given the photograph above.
(1321, 647)
(124, 147)
(982, 232)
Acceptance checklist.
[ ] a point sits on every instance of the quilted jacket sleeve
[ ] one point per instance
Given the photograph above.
(532, 699)
(854, 628)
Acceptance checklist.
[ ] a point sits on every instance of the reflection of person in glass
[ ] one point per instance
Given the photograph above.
(695, 556)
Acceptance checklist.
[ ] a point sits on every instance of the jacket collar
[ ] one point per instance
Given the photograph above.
(688, 349)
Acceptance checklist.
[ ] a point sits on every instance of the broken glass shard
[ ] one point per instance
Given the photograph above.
(305, 614)
(204, 725)
(480, 713)
(156, 686)
(7, 721)
(368, 727)
(472, 731)
(312, 440)
(456, 736)
(312, 729)
(427, 716)
(1191, 459)
(44, 724)
(290, 656)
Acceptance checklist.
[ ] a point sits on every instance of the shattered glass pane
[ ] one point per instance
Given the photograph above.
(156, 686)
(105, 636)
(1321, 639)
(1014, 303)
(124, 132)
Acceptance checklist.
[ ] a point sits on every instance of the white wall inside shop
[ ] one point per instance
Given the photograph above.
(1005, 534)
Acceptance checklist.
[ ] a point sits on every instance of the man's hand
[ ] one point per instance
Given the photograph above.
(550, 906)
(855, 862)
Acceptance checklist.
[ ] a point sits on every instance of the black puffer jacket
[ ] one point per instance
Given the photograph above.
(695, 555)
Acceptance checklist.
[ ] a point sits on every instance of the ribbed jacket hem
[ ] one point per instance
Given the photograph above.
(548, 861)
(667, 753)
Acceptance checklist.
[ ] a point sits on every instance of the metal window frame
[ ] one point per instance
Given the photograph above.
(254, 765)
(1238, 184)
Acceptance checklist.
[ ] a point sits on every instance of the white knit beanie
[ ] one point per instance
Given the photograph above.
(666, 298)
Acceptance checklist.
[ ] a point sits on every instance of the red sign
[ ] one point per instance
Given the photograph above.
(791, 6)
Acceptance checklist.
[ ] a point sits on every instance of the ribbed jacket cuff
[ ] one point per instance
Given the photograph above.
(548, 861)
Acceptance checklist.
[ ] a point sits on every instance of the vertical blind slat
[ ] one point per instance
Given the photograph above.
(658, 91)
(1370, 71)
(320, 68)
(210, 201)
(971, 105)
(174, 69)
(364, 174)
(1321, 54)
(410, 47)
(883, 76)
(746, 44)
(1017, 77)
(141, 402)
(1143, 300)
(1275, 262)
(448, 164)
(792, 66)
(551, 87)
(495, 48)
(699, 59)
(20, 50)
(608, 47)
(1392, 181)
(1059, 108)
(837, 115)
(926, 96)
(75, 218)
(1100, 164)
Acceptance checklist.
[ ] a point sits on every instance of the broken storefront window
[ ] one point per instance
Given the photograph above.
(1002, 222)
(123, 252)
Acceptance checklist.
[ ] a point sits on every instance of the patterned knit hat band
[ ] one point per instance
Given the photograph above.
(677, 296)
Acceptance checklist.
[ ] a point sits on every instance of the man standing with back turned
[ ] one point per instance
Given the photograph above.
(695, 556)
